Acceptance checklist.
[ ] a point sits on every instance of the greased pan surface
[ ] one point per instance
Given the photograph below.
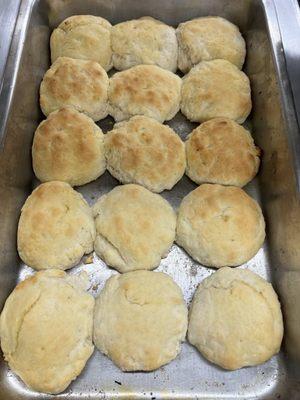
(274, 128)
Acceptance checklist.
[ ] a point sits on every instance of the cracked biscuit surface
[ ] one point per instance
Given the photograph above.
(214, 89)
(135, 228)
(56, 227)
(140, 319)
(209, 38)
(235, 319)
(145, 152)
(68, 146)
(82, 84)
(144, 90)
(46, 330)
(221, 151)
(144, 41)
(220, 226)
(85, 37)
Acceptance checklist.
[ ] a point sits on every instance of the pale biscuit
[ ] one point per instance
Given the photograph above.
(140, 320)
(68, 146)
(144, 41)
(221, 151)
(56, 227)
(135, 228)
(82, 84)
(220, 225)
(146, 152)
(215, 89)
(235, 319)
(46, 329)
(144, 90)
(86, 37)
(209, 38)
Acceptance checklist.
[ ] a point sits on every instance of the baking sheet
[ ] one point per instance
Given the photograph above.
(190, 376)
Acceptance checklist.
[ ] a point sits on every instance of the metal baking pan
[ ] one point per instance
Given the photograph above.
(275, 129)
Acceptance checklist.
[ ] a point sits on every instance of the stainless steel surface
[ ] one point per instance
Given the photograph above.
(289, 21)
(8, 13)
(275, 128)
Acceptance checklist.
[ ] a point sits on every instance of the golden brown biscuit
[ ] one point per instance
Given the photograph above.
(46, 330)
(235, 319)
(145, 152)
(135, 228)
(68, 146)
(140, 320)
(221, 151)
(220, 226)
(86, 37)
(56, 227)
(209, 38)
(144, 41)
(79, 83)
(144, 90)
(215, 89)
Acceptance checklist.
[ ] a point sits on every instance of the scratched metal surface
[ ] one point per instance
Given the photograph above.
(190, 376)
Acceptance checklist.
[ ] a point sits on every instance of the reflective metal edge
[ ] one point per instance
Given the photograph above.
(12, 65)
(286, 95)
(8, 16)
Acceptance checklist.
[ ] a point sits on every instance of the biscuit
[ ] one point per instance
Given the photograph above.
(209, 38)
(144, 41)
(46, 329)
(140, 319)
(145, 152)
(144, 90)
(86, 37)
(68, 146)
(235, 319)
(221, 151)
(215, 89)
(135, 228)
(79, 83)
(220, 226)
(56, 227)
